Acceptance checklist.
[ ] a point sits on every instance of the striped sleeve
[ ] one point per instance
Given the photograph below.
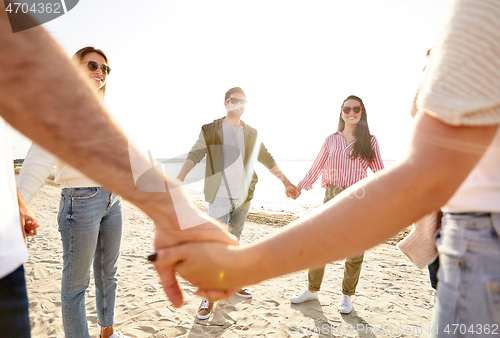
(462, 81)
(377, 163)
(316, 169)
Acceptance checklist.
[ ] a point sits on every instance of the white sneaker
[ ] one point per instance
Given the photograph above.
(345, 306)
(118, 335)
(304, 296)
(205, 309)
(244, 293)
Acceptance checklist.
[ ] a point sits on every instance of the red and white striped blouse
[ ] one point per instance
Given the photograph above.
(337, 167)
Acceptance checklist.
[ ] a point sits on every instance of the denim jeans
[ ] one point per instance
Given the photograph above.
(90, 223)
(468, 295)
(14, 314)
(230, 211)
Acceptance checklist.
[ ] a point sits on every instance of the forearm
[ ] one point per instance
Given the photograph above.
(53, 104)
(279, 174)
(375, 208)
(186, 168)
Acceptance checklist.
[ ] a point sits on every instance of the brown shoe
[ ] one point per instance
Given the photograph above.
(205, 309)
(243, 293)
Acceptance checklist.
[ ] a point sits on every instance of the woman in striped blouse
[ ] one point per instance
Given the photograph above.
(343, 161)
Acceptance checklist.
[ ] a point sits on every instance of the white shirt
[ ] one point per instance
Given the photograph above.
(480, 192)
(13, 251)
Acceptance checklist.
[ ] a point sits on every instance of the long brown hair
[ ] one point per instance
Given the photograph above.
(363, 144)
(80, 54)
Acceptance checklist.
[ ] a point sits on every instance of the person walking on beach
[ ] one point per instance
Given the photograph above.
(230, 146)
(90, 222)
(342, 161)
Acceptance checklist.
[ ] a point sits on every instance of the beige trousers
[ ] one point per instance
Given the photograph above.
(352, 267)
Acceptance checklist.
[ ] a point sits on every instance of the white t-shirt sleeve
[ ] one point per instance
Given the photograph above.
(13, 251)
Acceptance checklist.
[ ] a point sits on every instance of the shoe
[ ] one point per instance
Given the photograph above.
(304, 296)
(205, 309)
(345, 306)
(243, 293)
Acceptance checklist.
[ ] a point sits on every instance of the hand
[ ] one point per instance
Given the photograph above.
(214, 268)
(292, 191)
(29, 223)
(168, 233)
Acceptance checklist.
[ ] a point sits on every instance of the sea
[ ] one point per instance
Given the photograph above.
(269, 195)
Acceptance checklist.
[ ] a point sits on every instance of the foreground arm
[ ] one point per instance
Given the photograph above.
(440, 159)
(46, 98)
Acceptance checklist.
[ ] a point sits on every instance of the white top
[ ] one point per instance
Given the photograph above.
(480, 192)
(462, 88)
(38, 166)
(13, 251)
(234, 168)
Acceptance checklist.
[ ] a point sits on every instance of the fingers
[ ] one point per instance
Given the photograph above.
(171, 287)
(30, 227)
(164, 262)
(292, 192)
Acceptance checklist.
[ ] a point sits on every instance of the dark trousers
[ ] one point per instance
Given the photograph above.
(14, 315)
(433, 270)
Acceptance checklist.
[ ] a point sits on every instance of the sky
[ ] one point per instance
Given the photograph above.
(173, 61)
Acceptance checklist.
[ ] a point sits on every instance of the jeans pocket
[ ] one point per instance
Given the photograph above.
(84, 193)
(493, 289)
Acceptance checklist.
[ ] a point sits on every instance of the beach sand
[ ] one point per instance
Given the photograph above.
(393, 297)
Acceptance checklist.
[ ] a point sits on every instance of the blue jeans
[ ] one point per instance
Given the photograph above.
(468, 296)
(233, 214)
(90, 223)
(14, 314)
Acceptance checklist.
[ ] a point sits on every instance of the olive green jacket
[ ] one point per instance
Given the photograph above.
(211, 135)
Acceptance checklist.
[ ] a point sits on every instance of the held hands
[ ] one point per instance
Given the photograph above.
(171, 231)
(292, 191)
(216, 269)
(29, 223)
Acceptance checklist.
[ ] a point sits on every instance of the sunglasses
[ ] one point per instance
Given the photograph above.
(347, 109)
(93, 67)
(236, 101)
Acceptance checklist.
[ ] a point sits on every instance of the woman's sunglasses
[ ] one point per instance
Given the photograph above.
(347, 109)
(93, 67)
(236, 101)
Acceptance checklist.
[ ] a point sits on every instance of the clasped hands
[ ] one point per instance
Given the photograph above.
(293, 191)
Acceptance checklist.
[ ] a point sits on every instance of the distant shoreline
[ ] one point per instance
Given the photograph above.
(261, 217)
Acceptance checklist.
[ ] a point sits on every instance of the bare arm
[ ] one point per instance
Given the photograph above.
(290, 189)
(186, 168)
(46, 98)
(440, 159)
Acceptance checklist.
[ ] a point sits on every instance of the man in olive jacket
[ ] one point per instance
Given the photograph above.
(231, 147)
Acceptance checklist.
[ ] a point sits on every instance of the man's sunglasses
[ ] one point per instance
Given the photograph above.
(236, 101)
(93, 67)
(347, 109)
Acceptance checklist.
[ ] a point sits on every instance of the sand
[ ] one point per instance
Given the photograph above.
(393, 297)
